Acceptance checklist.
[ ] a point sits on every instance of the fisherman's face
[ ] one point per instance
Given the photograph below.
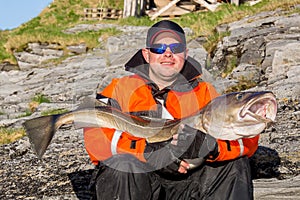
(166, 66)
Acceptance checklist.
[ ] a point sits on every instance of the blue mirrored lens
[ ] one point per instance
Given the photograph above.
(161, 48)
(158, 48)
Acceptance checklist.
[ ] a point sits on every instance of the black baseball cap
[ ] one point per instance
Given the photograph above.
(166, 28)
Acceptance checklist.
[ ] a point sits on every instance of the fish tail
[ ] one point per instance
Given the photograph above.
(40, 132)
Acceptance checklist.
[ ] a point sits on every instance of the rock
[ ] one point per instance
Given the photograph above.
(247, 72)
(77, 49)
(265, 48)
(7, 66)
(36, 54)
(285, 70)
(267, 189)
(268, 44)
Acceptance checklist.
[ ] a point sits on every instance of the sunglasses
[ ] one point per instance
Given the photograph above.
(161, 48)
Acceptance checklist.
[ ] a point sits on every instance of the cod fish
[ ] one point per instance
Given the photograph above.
(228, 117)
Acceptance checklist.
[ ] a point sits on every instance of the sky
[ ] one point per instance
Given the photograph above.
(13, 13)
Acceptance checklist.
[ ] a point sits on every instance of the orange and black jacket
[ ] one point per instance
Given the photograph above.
(138, 95)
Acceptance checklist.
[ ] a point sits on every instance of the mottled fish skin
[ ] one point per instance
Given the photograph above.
(229, 117)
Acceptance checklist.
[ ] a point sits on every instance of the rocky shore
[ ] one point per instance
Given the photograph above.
(265, 48)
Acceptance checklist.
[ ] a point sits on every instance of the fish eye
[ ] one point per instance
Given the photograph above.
(239, 96)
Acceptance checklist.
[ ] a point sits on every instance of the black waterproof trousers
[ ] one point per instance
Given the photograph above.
(123, 177)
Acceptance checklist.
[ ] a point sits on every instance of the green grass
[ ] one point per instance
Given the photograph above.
(63, 14)
(8, 135)
(35, 102)
(243, 84)
(41, 98)
(27, 113)
(49, 25)
(54, 112)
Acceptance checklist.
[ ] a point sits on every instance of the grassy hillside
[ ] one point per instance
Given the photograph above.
(62, 14)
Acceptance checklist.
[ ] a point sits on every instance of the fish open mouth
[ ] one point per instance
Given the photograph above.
(263, 108)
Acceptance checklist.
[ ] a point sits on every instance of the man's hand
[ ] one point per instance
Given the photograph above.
(185, 140)
(192, 143)
(183, 144)
(183, 167)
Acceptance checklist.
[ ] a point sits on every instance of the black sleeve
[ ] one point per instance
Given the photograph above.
(160, 156)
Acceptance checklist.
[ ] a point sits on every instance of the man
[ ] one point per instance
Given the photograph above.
(166, 84)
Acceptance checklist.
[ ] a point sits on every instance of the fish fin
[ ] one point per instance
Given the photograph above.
(40, 132)
(89, 102)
